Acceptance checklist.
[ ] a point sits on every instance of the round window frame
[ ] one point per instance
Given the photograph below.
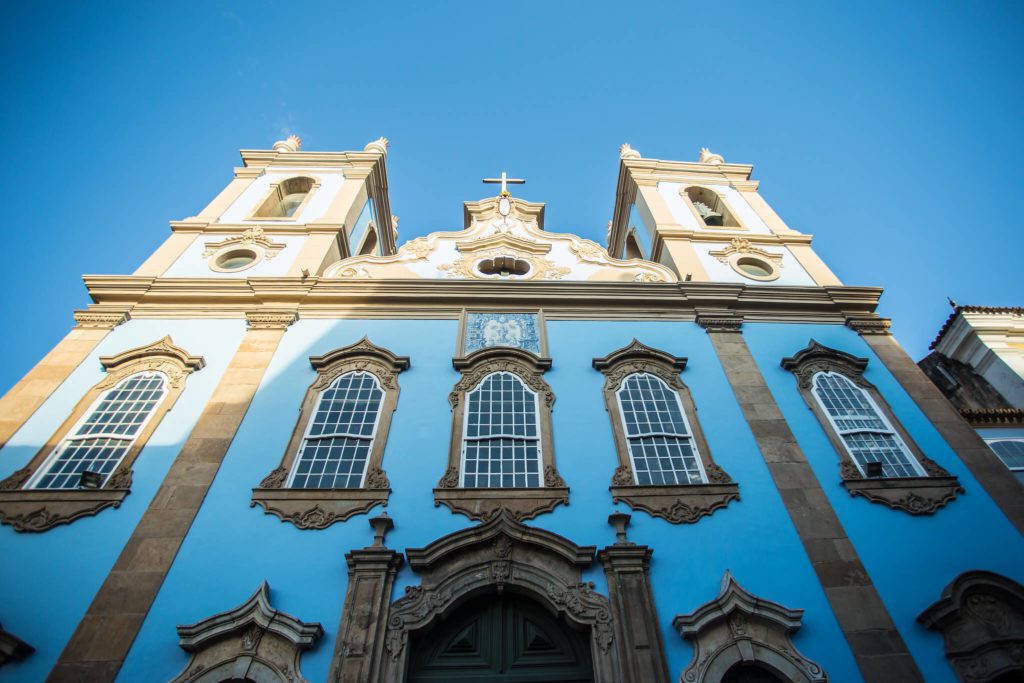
(214, 260)
(773, 274)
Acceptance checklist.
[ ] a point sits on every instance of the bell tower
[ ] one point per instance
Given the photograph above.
(706, 221)
(286, 213)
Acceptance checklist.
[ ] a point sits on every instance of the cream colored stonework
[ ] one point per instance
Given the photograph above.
(487, 235)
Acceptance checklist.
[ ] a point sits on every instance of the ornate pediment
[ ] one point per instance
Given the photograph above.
(496, 246)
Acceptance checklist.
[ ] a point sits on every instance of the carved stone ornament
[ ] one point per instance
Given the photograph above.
(679, 504)
(981, 618)
(739, 627)
(313, 508)
(252, 642)
(500, 555)
(720, 323)
(741, 249)
(869, 325)
(483, 503)
(12, 648)
(37, 510)
(250, 237)
(270, 320)
(97, 320)
(921, 495)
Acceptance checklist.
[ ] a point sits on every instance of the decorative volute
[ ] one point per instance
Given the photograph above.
(293, 143)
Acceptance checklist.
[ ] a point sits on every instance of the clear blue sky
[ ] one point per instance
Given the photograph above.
(891, 131)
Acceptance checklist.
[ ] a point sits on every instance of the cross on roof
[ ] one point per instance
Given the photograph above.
(504, 180)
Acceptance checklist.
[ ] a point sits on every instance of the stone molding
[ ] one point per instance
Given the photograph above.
(981, 617)
(498, 555)
(270, 320)
(738, 626)
(922, 495)
(13, 648)
(253, 641)
(712, 323)
(320, 508)
(97, 320)
(38, 510)
(483, 503)
(679, 504)
(869, 324)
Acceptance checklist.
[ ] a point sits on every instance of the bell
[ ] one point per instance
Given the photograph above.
(710, 216)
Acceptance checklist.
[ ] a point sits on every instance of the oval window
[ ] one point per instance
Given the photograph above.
(236, 259)
(755, 268)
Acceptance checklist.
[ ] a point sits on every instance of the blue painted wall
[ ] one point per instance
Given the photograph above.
(48, 580)
(232, 547)
(910, 559)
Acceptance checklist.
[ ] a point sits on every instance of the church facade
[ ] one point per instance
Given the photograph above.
(286, 449)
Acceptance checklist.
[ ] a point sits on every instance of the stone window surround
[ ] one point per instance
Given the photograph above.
(315, 508)
(740, 627)
(980, 615)
(251, 239)
(916, 495)
(680, 503)
(482, 503)
(38, 510)
(274, 188)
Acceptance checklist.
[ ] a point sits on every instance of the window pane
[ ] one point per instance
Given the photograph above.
(502, 406)
(664, 461)
(331, 463)
(80, 455)
(348, 407)
(124, 408)
(509, 463)
(846, 403)
(649, 406)
(1011, 452)
(871, 447)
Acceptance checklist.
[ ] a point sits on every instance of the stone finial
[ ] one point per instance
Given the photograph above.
(381, 524)
(709, 157)
(627, 152)
(620, 520)
(380, 145)
(293, 143)
(394, 223)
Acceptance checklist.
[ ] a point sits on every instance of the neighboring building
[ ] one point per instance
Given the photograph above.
(977, 362)
(285, 449)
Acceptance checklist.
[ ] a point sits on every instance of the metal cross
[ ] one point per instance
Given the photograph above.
(504, 179)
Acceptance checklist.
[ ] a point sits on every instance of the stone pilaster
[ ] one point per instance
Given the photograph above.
(371, 575)
(876, 644)
(27, 395)
(626, 566)
(998, 481)
(103, 638)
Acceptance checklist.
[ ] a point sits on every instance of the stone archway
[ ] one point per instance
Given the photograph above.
(502, 556)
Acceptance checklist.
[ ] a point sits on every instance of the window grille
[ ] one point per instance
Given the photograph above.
(501, 440)
(100, 442)
(661, 444)
(337, 444)
(860, 424)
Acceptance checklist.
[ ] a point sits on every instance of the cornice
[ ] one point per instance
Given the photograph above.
(655, 166)
(726, 234)
(264, 159)
(148, 297)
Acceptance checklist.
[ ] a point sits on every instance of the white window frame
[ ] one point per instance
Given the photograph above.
(70, 435)
(686, 423)
(538, 439)
(312, 420)
(915, 465)
(991, 440)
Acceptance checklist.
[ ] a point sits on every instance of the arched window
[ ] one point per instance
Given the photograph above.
(286, 198)
(86, 466)
(661, 445)
(709, 206)
(333, 465)
(501, 453)
(501, 446)
(878, 458)
(91, 452)
(336, 447)
(866, 433)
(665, 465)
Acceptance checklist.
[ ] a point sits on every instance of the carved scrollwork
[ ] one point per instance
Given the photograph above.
(816, 358)
(552, 478)
(450, 479)
(162, 356)
(16, 480)
(685, 504)
(915, 495)
(582, 602)
(471, 379)
(275, 479)
(37, 510)
(623, 476)
(376, 478)
(317, 508)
